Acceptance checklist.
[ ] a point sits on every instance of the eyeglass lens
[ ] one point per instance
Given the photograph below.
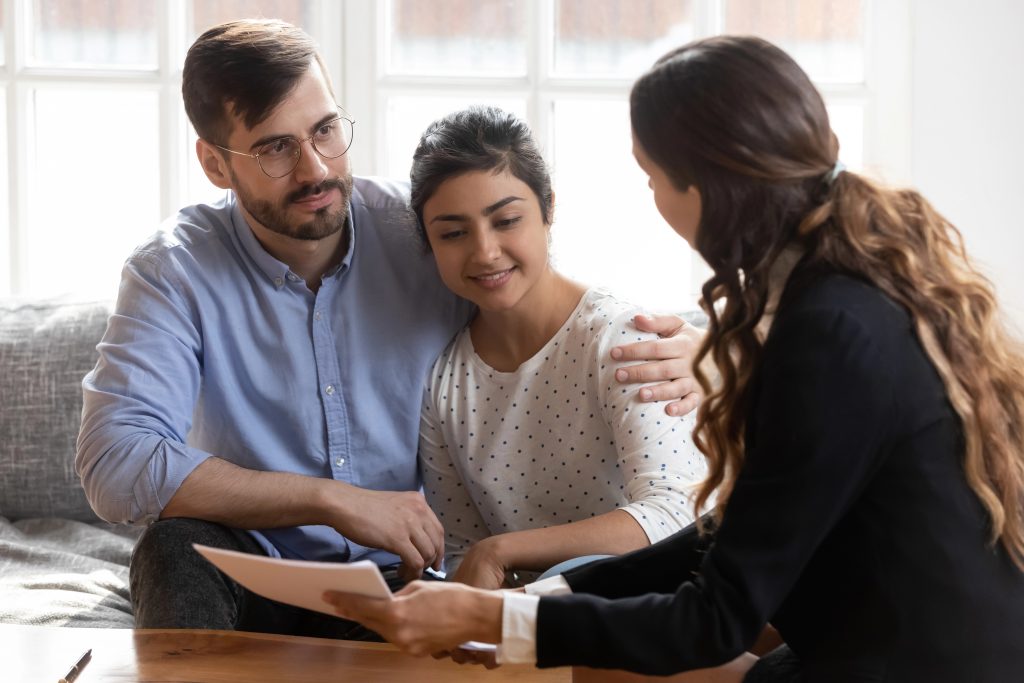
(279, 157)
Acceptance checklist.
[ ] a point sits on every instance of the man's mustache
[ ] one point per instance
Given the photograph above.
(308, 190)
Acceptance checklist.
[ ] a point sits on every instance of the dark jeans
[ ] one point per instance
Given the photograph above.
(172, 586)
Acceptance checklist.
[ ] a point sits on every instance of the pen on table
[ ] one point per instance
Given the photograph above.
(77, 668)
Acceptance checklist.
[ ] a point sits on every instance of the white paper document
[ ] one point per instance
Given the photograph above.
(302, 583)
(298, 582)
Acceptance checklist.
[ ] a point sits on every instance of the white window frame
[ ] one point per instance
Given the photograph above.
(18, 79)
(350, 33)
(885, 90)
(884, 93)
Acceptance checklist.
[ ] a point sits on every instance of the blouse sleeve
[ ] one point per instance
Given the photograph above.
(808, 457)
(444, 488)
(660, 465)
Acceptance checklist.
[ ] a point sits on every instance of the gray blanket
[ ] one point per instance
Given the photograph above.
(57, 572)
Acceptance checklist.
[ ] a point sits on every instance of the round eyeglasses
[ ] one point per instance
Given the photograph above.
(279, 157)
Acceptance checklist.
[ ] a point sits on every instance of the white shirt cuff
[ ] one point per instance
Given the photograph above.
(518, 629)
(554, 585)
(519, 620)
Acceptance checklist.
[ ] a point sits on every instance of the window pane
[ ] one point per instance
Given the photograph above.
(212, 12)
(825, 36)
(3, 50)
(465, 37)
(847, 119)
(607, 230)
(618, 37)
(408, 117)
(5, 226)
(93, 187)
(84, 33)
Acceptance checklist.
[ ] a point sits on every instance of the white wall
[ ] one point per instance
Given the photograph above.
(967, 130)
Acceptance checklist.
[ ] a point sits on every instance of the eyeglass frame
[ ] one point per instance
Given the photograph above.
(341, 115)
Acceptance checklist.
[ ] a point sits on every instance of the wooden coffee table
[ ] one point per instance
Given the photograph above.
(44, 654)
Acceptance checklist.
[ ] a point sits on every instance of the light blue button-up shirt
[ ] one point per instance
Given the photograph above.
(217, 348)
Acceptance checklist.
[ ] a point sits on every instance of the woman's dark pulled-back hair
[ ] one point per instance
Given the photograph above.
(477, 139)
(737, 118)
(245, 67)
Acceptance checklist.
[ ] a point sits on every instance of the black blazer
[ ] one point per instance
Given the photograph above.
(851, 527)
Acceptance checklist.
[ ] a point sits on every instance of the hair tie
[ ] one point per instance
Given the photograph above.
(834, 173)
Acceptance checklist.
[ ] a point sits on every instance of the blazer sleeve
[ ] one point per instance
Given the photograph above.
(658, 568)
(808, 455)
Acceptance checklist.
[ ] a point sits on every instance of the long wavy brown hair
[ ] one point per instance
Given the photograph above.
(738, 118)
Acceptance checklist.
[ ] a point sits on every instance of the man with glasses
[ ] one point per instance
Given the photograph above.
(259, 384)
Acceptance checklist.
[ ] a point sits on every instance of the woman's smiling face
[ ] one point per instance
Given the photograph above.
(488, 236)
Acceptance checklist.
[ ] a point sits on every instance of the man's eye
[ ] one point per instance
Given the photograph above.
(327, 130)
(277, 148)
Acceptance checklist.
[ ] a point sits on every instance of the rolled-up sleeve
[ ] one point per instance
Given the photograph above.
(139, 399)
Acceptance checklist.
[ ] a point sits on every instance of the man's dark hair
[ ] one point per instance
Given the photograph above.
(245, 68)
(477, 139)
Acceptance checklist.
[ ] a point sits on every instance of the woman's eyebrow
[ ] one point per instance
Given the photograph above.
(488, 210)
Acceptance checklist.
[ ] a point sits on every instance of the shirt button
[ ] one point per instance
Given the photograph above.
(278, 281)
(316, 316)
(339, 462)
(293, 277)
(329, 389)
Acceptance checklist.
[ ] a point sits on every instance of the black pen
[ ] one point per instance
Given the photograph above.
(77, 668)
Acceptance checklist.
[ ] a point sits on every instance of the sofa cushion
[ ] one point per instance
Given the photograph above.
(46, 348)
(58, 572)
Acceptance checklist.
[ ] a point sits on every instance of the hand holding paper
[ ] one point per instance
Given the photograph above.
(427, 617)
(419, 617)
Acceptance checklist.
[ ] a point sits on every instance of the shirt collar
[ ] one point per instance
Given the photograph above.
(277, 271)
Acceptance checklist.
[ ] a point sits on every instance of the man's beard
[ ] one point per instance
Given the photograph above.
(275, 219)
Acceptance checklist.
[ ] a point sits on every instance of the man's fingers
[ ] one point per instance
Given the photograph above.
(662, 325)
(654, 349)
(669, 391)
(436, 533)
(684, 406)
(413, 562)
(657, 371)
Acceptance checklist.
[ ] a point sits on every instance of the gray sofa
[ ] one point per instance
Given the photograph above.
(60, 565)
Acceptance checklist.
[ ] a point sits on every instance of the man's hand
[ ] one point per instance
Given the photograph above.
(482, 566)
(398, 521)
(427, 617)
(668, 360)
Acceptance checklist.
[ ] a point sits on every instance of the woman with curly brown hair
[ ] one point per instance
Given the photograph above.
(865, 434)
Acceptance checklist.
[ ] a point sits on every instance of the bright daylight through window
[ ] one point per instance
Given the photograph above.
(100, 151)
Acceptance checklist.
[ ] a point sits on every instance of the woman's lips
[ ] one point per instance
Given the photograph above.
(493, 280)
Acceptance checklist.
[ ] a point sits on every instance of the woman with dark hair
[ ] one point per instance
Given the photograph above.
(530, 451)
(865, 439)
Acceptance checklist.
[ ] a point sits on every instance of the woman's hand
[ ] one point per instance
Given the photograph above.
(426, 617)
(482, 566)
(666, 360)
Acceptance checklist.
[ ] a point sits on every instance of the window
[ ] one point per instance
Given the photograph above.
(98, 149)
(96, 145)
(567, 65)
